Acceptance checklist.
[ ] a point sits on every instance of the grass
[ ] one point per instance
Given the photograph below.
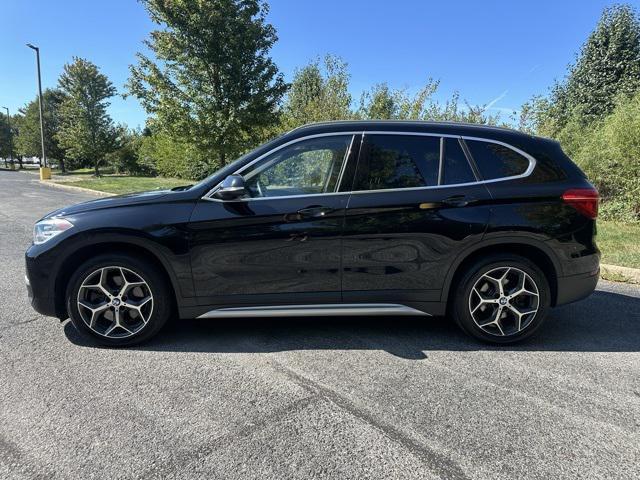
(83, 171)
(120, 183)
(619, 243)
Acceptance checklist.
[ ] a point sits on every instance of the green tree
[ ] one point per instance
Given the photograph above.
(319, 92)
(593, 113)
(420, 106)
(171, 157)
(86, 130)
(383, 102)
(125, 158)
(609, 152)
(380, 103)
(5, 138)
(533, 115)
(212, 83)
(28, 142)
(607, 67)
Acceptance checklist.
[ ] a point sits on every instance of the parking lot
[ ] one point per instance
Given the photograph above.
(311, 397)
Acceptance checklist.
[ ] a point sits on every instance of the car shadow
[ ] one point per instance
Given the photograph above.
(604, 322)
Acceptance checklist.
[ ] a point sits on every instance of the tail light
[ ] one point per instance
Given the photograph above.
(584, 200)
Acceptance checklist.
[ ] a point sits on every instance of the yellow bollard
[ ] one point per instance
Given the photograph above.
(45, 173)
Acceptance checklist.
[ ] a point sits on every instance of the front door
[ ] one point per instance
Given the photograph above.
(415, 205)
(283, 237)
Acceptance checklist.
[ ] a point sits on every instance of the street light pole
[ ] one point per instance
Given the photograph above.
(44, 158)
(10, 138)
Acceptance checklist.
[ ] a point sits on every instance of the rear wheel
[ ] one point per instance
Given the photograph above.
(502, 299)
(118, 300)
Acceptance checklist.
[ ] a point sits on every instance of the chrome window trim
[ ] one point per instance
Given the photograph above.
(526, 173)
(441, 161)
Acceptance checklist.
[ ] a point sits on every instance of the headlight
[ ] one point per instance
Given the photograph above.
(49, 228)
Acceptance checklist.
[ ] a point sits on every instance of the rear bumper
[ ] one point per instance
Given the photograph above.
(576, 287)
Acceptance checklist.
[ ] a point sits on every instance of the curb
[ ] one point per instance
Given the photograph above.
(62, 186)
(624, 274)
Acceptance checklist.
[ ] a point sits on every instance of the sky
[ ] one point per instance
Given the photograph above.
(495, 53)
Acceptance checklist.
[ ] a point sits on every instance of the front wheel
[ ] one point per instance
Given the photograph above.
(502, 299)
(118, 300)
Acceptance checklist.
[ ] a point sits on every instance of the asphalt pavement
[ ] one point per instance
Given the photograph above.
(311, 397)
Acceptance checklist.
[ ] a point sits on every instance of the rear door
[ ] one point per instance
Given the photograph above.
(415, 205)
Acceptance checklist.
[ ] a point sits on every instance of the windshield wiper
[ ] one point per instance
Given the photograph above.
(181, 188)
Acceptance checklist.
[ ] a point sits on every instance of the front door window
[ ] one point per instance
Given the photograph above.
(308, 167)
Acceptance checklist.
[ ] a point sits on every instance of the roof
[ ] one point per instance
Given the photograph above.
(451, 128)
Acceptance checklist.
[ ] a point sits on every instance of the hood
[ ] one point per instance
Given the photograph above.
(110, 202)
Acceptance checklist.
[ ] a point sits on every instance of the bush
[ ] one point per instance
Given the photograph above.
(126, 158)
(171, 157)
(609, 153)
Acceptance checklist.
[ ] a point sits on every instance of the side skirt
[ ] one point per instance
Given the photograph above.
(377, 309)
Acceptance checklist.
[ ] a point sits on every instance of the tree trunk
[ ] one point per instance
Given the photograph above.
(62, 169)
(20, 162)
(97, 172)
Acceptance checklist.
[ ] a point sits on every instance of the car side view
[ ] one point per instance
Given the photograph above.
(489, 226)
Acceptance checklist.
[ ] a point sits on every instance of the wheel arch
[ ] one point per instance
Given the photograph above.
(536, 251)
(71, 263)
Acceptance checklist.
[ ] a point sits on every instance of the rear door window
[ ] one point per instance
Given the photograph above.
(495, 160)
(398, 161)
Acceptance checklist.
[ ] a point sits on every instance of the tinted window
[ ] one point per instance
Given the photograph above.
(398, 161)
(496, 161)
(456, 168)
(307, 167)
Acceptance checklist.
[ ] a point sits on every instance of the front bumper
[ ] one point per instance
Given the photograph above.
(40, 295)
(576, 287)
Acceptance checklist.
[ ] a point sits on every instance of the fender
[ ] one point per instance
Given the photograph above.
(488, 241)
(175, 261)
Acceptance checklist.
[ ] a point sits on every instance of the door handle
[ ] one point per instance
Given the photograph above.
(314, 212)
(458, 201)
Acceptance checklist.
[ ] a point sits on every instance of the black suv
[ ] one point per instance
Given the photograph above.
(488, 225)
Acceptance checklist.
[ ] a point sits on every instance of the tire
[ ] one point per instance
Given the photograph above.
(484, 313)
(105, 308)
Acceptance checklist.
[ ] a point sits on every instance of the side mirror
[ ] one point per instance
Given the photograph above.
(231, 188)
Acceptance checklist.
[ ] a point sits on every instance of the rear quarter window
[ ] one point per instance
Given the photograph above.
(495, 160)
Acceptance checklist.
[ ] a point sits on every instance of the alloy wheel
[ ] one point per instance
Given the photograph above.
(115, 302)
(504, 301)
